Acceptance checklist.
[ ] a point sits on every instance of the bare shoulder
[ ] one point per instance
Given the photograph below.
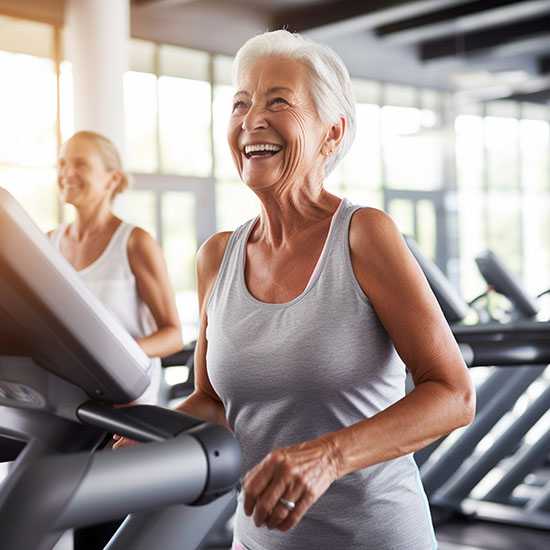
(142, 245)
(373, 233)
(210, 254)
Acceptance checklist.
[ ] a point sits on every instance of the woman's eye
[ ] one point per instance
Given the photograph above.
(237, 105)
(279, 101)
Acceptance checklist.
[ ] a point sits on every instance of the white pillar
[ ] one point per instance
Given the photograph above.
(97, 34)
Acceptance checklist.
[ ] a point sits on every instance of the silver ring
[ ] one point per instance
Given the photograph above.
(288, 504)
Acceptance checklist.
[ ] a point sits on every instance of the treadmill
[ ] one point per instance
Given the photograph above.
(65, 365)
(521, 348)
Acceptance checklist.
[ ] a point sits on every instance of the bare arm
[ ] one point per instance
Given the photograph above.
(204, 403)
(149, 268)
(444, 397)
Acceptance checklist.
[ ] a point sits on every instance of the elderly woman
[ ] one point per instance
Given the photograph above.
(309, 315)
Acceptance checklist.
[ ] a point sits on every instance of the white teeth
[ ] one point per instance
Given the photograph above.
(261, 147)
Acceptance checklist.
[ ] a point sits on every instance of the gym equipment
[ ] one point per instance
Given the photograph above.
(64, 363)
(523, 345)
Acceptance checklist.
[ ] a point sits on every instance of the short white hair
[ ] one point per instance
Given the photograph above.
(331, 84)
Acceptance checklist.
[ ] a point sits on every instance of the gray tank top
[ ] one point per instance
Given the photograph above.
(290, 372)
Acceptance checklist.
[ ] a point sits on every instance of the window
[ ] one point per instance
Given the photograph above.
(140, 105)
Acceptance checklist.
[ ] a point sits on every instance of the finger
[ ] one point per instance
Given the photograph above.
(267, 502)
(255, 483)
(280, 512)
(124, 442)
(293, 518)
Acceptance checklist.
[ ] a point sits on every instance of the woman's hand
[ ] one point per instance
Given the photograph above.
(120, 442)
(299, 474)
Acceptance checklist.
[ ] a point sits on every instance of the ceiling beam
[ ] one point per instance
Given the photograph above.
(462, 44)
(338, 15)
(543, 64)
(160, 3)
(474, 15)
(542, 96)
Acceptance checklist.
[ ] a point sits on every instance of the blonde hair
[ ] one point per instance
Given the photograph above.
(109, 155)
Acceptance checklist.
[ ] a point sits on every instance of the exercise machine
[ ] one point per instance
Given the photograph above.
(65, 365)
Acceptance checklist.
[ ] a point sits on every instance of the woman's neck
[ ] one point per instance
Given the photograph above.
(91, 219)
(284, 215)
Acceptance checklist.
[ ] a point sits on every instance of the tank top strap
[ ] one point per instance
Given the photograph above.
(338, 238)
(117, 248)
(232, 257)
(56, 235)
(338, 268)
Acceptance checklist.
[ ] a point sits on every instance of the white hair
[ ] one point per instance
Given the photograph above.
(330, 83)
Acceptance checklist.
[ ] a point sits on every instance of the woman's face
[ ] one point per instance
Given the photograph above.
(275, 133)
(82, 176)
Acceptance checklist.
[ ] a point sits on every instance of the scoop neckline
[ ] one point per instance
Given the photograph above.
(314, 274)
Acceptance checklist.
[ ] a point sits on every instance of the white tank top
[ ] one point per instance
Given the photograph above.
(111, 279)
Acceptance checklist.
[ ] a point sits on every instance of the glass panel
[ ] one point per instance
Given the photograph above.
(180, 247)
(185, 63)
(138, 207)
(533, 111)
(223, 65)
(430, 99)
(235, 204)
(362, 166)
(401, 96)
(184, 118)
(363, 197)
(28, 119)
(503, 109)
(536, 242)
(142, 56)
(501, 140)
(535, 154)
(225, 167)
(402, 211)
(504, 217)
(66, 92)
(471, 216)
(29, 37)
(469, 151)
(36, 190)
(426, 228)
(366, 91)
(413, 156)
(140, 108)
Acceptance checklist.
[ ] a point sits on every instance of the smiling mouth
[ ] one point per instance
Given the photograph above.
(261, 150)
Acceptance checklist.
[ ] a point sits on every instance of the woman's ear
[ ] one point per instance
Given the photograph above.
(334, 137)
(114, 181)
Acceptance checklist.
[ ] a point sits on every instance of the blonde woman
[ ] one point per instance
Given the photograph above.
(121, 264)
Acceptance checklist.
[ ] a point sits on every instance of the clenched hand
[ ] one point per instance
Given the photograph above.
(299, 474)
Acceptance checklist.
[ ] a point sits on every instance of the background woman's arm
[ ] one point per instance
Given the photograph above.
(153, 284)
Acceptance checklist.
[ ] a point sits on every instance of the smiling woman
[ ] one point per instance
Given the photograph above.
(309, 315)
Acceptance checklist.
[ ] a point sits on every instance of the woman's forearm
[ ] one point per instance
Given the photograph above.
(430, 411)
(162, 343)
(205, 408)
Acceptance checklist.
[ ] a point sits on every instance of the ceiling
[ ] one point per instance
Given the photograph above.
(484, 49)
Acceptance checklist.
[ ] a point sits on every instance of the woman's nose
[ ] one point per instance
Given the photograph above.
(254, 119)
